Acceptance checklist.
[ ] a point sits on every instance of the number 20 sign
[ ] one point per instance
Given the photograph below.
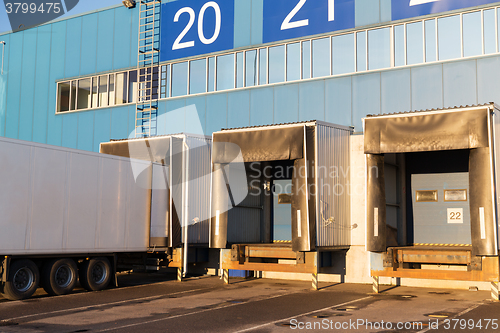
(193, 27)
(285, 19)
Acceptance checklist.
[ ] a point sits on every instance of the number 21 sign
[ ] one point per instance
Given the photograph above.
(193, 27)
(285, 19)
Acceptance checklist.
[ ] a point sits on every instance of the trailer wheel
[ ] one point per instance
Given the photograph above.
(59, 276)
(95, 274)
(22, 281)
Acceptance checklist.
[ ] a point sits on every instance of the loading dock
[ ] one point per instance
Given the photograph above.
(447, 194)
(313, 159)
(182, 226)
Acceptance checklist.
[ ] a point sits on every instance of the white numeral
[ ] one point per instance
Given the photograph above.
(192, 16)
(331, 10)
(290, 25)
(420, 2)
(216, 7)
(287, 24)
(177, 44)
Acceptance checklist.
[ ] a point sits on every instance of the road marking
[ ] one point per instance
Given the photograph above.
(458, 315)
(99, 305)
(89, 292)
(301, 315)
(192, 313)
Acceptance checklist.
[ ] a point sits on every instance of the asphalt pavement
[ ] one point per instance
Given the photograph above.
(155, 302)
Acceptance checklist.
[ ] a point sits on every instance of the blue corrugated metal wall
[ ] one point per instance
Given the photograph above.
(107, 41)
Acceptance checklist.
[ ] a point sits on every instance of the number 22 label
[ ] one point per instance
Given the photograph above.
(455, 215)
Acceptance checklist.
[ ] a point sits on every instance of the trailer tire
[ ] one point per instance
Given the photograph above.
(23, 280)
(95, 274)
(59, 276)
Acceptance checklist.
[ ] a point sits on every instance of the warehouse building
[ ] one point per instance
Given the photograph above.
(241, 63)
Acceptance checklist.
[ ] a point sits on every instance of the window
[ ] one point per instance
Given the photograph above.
(399, 45)
(198, 76)
(73, 95)
(95, 97)
(165, 82)
(84, 95)
(132, 87)
(112, 89)
(251, 68)
(415, 43)
(121, 88)
(239, 69)
(103, 90)
(63, 96)
(489, 32)
(343, 54)
(379, 48)
(211, 74)
(430, 40)
(361, 51)
(449, 37)
(306, 60)
(263, 66)
(277, 64)
(321, 57)
(472, 34)
(179, 79)
(225, 72)
(293, 62)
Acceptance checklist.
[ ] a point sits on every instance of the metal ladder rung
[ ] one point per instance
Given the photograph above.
(144, 2)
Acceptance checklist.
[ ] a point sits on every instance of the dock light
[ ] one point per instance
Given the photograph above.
(129, 3)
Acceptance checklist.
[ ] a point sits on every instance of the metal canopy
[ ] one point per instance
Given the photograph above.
(147, 149)
(277, 144)
(427, 131)
(263, 145)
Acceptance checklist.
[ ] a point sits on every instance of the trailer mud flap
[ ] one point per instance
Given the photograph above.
(375, 204)
(4, 271)
(481, 203)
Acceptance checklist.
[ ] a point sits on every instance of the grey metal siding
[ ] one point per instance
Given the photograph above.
(333, 186)
(199, 188)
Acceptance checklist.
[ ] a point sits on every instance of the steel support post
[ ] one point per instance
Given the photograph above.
(315, 281)
(376, 285)
(494, 291)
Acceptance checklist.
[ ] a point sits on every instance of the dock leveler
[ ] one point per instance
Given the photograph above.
(441, 192)
(292, 209)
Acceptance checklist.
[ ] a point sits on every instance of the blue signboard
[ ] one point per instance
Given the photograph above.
(402, 9)
(193, 27)
(285, 19)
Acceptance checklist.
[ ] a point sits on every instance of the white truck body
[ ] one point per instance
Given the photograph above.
(56, 200)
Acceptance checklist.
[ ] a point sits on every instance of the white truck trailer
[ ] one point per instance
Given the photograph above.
(69, 214)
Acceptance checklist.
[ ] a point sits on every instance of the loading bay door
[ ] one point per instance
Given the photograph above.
(441, 208)
(282, 210)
